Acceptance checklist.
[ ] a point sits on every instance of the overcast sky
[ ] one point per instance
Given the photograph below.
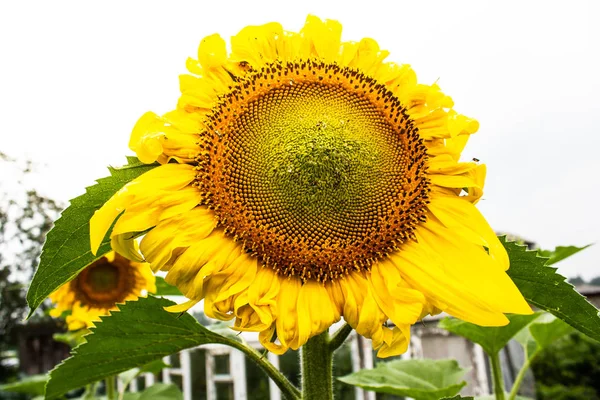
(75, 76)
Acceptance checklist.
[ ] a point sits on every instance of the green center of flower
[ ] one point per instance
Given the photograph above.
(316, 168)
(321, 166)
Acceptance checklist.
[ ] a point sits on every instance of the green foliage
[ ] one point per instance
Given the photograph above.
(67, 248)
(563, 392)
(420, 379)
(568, 369)
(539, 335)
(560, 253)
(139, 333)
(491, 339)
(544, 288)
(33, 385)
(164, 289)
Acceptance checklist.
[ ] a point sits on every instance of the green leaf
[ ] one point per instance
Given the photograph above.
(422, 379)
(140, 332)
(491, 339)
(560, 253)
(164, 289)
(546, 334)
(71, 338)
(545, 289)
(493, 397)
(154, 367)
(542, 333)
(67, 248)
(158, 391)
(33, 385)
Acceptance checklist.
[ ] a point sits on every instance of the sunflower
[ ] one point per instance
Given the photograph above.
(99, 287)
(303, 179)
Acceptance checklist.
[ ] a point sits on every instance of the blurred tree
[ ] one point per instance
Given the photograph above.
(569, 370)
(578, 280)
(595, 281)
(25, 218)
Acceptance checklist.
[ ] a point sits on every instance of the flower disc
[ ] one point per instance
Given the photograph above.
(99, 287)
(105, 283)
(316, 168)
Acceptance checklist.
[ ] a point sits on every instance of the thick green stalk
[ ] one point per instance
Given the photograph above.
(110, 388)
(317, 361)
(497, 376)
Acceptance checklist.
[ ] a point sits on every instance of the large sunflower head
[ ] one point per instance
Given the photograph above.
(97, 289)
(304, 179)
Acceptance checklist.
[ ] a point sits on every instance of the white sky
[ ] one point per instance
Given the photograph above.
(75, 76)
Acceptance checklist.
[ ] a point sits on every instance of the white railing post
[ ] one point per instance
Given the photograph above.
(186, 374)
(237, 370)
(274, 392)
(166, 374)
(211, 387)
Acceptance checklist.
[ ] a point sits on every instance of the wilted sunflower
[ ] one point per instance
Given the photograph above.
(99, 287)
(304, 179)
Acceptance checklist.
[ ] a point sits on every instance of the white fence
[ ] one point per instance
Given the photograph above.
(226, 375)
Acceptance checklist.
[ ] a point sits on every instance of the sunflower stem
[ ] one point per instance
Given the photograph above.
(520, 376)
(317, 356)
(110, 388)
(339, 337)
(289, 391)
(90, 392)
(497, 376)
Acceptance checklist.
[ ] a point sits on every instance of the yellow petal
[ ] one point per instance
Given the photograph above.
(144, 139)
(287, 319)
(458, 276)
(262, 295)
(257, 44)
(315, 311)
(212, 52)
(178, 232)
(229, 282)
(181, 308)
(322, 38)
(265, 338)
(126, 246)
(394, 341)
(464, 219)
(150, 191)
(394, 297)
(353, 287)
